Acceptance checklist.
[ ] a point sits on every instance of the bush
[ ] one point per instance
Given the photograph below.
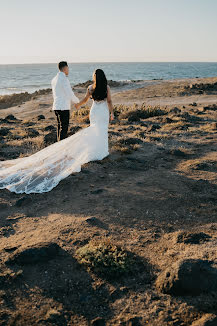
(105, 258)
(135, 114)
(81, 112)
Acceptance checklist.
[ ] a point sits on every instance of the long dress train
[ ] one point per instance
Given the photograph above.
(43, 170)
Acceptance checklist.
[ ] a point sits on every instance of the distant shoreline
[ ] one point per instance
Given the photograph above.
(20, 78)
(150, 93)
(93, 62)
(125, 84)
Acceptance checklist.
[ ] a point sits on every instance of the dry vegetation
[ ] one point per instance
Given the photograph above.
(117, 243)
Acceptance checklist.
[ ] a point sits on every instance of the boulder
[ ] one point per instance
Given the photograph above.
(74, 129)
(188, 277)
(175, 110)
(41, 252)
(50, 138)
(177, 152)
(50, 128)
(40, 117)
(10, 117)
(192, 238)
(32, 133)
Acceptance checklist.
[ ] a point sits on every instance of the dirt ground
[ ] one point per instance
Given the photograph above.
(161, 183)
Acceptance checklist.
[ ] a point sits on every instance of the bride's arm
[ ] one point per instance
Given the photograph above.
(110, 104)
(84, 100)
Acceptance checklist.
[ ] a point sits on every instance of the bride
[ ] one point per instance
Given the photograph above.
(43, 170)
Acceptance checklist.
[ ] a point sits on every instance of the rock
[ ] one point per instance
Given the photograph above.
(10, 117)
(50, 128)
(40, 117)
(74, 129)
(185, 115)
(92, 220)
(188, 277)
(153, 128)
(97, 191)
(205, 166)
(43, 105)
(193, 238)
(177, 152)
(193, 104)
(212, 107)
(129, 141)
(167, 120)
(42, 252)
(9, 249)
(32, 133)
(142, 134)
(175, 110)
(98, 322)
(4, 131)
(206, 320)
(50, 138)
(23, 201)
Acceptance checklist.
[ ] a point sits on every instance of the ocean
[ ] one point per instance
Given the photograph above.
(19, 78)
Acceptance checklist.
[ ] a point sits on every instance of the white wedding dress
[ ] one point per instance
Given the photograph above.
(43, 170)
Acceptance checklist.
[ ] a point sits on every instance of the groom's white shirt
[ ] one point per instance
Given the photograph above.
(62, 92)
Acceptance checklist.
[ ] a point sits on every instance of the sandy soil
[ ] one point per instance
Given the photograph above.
(161, 183)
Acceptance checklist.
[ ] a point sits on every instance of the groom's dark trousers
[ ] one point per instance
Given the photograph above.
(62, 123)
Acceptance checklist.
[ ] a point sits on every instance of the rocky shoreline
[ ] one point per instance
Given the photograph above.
(7, 101)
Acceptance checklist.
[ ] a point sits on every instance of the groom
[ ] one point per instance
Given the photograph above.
(63, 96)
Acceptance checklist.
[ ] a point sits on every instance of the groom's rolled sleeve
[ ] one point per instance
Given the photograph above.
(69, 92)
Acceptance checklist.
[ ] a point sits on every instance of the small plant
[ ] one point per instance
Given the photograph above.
(122, 149)
(127, 145)
(135, 114)
(105, 258)
(82, 112)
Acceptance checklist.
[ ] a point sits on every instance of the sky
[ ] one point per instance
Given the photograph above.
(43, 31)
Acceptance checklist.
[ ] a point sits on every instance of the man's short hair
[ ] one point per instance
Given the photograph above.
(62, 64)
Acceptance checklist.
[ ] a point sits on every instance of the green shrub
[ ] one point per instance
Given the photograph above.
(105, 258)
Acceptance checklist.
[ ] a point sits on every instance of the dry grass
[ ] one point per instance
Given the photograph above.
(125, 145)
(179, 125)
(135, 113)
(31, 146)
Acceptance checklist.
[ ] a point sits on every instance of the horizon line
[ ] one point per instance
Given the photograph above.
(80, 62)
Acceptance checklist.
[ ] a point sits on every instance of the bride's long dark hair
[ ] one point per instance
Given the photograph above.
(100, 86)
